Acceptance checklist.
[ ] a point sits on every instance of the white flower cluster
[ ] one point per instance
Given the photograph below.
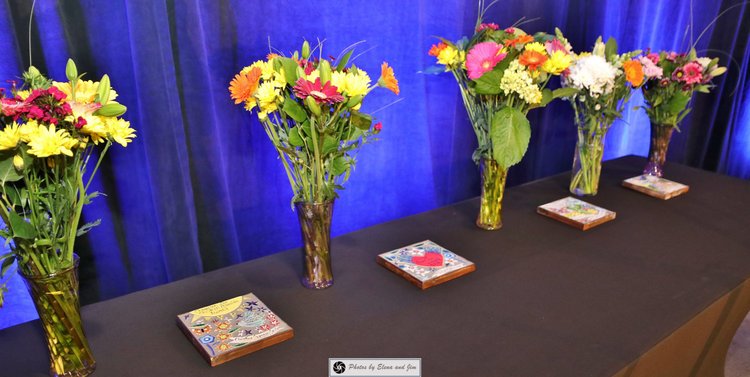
(592, 73)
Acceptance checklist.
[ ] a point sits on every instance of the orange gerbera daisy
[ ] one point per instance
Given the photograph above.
(388, 79)
(272, 55)
(532, 59)
(633, 72)
(435, 49)
(519, 40)
(244, 86)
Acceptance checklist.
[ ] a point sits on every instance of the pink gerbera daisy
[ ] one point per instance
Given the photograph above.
(320, 93)
(482, 58)
(554, 45)
(692, 73)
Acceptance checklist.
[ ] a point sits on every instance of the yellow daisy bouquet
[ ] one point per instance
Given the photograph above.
(50, 135)
(501, 74)
(310, 108)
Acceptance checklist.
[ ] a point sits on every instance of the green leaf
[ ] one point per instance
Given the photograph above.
(6, 265)
(692, 55)
(112, 109)
(610, 48)
(344, 60)
(564, 92)
(21, 228)
(294, 110)
(510, 133)
(678, 102)
(361, 121)
(290, 70)
(8, 172)
(71, 72)
(295, 139)
(489, 83)
(87, 227)
(102, 92)
(330, 145)
(339, 165)
(546, 98)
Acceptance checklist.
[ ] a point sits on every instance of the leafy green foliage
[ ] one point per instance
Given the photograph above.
(510, 132)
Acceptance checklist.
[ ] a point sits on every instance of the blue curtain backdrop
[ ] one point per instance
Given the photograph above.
(200, 188)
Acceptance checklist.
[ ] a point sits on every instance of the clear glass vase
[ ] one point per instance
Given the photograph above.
(315, 223)
(56, 299)
(493, 187)
(587, 164)
(657, 152)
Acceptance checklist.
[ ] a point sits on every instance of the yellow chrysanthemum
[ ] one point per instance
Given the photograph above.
(51, 142)
(23, 94)
(27, 130)
(536, 46)
(279, 80)
(266, 68)
(356, 84)
(557, 63)
(451, 57)
(85, 91)
(9, 137)
(119, 131)
(95, 127)
(268, 99)
(338, 79)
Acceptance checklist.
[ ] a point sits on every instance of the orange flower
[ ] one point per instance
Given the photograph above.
(244, 86)
(388, 79)
(519, 40)
(272, 55)
(633, 72)
(435, 49)
(532, 59)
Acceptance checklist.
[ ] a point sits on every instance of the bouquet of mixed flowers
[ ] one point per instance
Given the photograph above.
(310, 107)
(671, 80)
(52, 133)
(603, 81)
(502, 74)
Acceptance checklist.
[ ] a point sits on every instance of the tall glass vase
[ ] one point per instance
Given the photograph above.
(657, 152)
(56, 299)
(587, 163)
(493, 187)
(315, 222)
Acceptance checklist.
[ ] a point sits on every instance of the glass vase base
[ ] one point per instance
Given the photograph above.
(653, 168)
(82, 372)
(580, 192)
(486, 226)
(309, 284)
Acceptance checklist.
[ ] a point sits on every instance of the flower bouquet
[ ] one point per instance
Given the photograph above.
(51, 132)
(310, 109)
(502, 74)
(602, 80)
(671, 80)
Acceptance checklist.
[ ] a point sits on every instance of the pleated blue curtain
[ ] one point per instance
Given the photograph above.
(201, 188)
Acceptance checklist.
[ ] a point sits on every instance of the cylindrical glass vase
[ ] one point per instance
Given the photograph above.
(493, 187)
(56, 299)
(657, 152)
(315, 223)
(587, 164)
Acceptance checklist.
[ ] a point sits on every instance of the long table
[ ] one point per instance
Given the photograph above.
(659, 291)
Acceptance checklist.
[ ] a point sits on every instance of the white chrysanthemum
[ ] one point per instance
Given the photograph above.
(704, 62)
(592, 73)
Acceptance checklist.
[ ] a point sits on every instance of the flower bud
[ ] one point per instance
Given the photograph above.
(18, 162)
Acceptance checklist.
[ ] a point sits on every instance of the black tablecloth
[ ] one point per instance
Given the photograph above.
(546, 299)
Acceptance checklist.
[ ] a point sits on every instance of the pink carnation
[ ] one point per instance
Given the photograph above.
(490, 25)
(650, 69)
(482, 58)
(654, 57)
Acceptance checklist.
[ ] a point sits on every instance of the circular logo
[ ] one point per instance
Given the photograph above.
(339, 367)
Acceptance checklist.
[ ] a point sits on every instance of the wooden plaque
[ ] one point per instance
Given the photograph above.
(576, 212)
(654, 186)
(425, 264)
(229, 329)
